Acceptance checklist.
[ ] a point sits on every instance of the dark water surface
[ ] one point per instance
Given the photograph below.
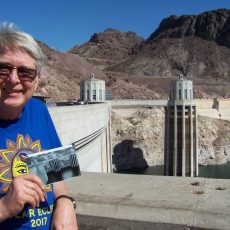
(215, 171)
(211, 171)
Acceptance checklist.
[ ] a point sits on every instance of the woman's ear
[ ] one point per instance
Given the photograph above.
(36, 82)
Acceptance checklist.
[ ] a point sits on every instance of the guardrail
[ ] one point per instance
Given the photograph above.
(85, 141)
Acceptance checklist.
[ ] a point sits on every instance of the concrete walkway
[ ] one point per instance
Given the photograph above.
(136, 202)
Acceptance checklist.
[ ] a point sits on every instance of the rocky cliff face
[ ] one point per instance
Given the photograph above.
(213, 140)
(138, 139)
(211, 26)
(193, 57)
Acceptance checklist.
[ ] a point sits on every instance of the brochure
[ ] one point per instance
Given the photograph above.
(53, 165)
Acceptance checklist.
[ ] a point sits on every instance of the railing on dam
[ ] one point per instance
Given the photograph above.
(84, 142)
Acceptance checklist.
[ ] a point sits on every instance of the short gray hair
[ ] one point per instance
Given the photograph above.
(12, 38)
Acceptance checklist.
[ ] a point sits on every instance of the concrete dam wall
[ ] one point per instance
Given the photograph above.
(76, 124)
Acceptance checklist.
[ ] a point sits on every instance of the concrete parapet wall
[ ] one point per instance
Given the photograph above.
(204, 103)
(201, 103)
(134, 103)
(120, 201)
(224, 103)
(213, 103)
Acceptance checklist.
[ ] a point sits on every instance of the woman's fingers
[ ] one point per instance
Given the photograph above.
(32, 178)
(35, 191)
(32, 197)
(27, 189)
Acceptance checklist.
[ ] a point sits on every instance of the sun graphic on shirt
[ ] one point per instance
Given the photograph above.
(12, 162)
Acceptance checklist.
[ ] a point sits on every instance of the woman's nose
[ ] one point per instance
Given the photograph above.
(13, 77)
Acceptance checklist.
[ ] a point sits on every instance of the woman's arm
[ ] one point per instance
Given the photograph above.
(64, 216)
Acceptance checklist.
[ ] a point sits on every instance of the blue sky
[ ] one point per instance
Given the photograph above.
(62, 24)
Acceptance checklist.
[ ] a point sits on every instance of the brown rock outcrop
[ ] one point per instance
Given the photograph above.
(108, 47)
(211, 25)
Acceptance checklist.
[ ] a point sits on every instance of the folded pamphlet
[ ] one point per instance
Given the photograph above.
(53, 165)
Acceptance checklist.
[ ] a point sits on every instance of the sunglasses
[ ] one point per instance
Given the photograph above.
(24, 73)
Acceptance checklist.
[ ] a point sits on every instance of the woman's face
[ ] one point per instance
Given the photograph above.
(15, 92)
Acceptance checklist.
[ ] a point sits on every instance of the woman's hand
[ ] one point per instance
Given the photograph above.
(25, 189)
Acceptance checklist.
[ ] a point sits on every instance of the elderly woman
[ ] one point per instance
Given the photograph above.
(26, 126)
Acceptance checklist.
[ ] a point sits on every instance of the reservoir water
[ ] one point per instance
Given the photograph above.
(221, 171)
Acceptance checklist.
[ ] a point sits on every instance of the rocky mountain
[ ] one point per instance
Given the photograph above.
(108, 47)
(197, 46)
(211, 26)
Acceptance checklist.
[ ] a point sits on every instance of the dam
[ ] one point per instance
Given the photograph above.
(118, 201)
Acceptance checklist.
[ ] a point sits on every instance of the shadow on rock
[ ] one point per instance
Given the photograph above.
(125, 156)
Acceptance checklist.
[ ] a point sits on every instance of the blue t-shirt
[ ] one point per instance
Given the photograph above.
(32, 132)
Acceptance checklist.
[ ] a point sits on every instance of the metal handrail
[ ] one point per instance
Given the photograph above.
(80, 144)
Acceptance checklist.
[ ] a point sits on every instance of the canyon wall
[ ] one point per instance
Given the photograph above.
(138, 138)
